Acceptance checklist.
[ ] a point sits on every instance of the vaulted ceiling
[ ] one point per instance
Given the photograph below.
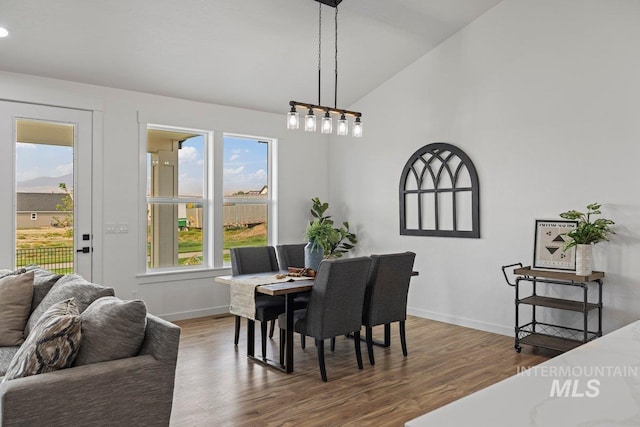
(256, 54)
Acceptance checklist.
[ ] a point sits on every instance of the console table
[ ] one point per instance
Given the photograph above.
(547, 335)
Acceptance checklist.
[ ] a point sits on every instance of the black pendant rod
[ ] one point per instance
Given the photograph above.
(319, 49)
(335, 86)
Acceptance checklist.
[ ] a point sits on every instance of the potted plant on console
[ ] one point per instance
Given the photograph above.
(325, 240)
(585, 235)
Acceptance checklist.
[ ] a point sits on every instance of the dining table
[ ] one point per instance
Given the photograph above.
(272, 283)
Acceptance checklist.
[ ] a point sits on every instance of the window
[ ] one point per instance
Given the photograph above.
(247, 193)
(190, 224)
(45, 185)
(177, 197)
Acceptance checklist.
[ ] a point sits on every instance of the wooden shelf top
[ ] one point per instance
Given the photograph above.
(562, 275)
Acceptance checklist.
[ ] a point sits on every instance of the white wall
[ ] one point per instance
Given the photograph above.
(302, 160)
(544, 96)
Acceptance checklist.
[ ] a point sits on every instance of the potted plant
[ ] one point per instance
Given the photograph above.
(585, 235)
(325, 240)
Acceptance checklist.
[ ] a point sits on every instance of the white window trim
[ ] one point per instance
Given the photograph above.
(272, 184)
(215, 196)
(207, 246)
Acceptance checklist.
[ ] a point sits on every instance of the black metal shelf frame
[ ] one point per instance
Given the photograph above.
(553, 336)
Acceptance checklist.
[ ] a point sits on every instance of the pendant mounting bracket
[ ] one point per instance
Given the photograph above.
(332, 3)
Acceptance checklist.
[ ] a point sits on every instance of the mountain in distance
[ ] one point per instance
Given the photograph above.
(45, 184)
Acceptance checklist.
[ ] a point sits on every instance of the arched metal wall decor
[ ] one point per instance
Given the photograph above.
(439, 193)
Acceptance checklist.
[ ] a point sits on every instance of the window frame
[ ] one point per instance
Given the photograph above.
(206, 200)
(212, 219)
(270, 202)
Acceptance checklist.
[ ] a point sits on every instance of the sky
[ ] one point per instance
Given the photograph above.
(244, 163)
(38, 161)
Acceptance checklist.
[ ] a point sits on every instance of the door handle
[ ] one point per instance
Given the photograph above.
(84, 250)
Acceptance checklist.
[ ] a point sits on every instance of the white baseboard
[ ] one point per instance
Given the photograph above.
(184, 315)
(441, 317)
(462, 321)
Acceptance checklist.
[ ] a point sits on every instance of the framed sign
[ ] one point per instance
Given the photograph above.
(548, 252)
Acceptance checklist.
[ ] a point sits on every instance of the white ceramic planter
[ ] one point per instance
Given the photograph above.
(312, 256)
(584, 260)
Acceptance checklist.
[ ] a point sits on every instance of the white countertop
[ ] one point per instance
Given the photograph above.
(595, 385)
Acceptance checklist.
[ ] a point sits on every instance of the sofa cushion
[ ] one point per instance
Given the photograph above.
(52, 344)
(69, 286)
(16, 293)
(43, 281)
(111, 329)
(6, 354)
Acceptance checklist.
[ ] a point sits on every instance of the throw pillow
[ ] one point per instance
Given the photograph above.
(111, 329)
(69, 286)
(52, 344)
(16, 293)
(43, 281)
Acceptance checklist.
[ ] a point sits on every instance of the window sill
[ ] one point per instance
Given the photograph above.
(152, 277)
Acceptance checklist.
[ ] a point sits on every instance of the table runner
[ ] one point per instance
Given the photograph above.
(243, 301)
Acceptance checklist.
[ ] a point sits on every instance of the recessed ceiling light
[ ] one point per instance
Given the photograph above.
(3, 32)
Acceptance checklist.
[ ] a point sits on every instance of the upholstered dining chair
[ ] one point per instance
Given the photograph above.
(335, 306)
(258, 259)
(385, 298)
(291, 255)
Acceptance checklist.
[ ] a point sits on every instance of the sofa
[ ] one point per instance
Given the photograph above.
(97, 386)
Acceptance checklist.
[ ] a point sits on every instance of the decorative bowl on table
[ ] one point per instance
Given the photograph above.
(301, 272)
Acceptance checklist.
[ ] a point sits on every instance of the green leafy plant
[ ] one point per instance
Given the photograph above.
(321, 231)
(319, 234)
(66, 207)
(587, 231)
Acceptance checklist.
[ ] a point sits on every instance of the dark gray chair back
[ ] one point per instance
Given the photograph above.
(291, 255)
(253, 259)
(387, 288)
(337, 297)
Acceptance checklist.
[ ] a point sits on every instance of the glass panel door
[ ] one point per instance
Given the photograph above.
(50, 185)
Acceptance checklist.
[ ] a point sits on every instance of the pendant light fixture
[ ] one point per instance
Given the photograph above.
(326, 125)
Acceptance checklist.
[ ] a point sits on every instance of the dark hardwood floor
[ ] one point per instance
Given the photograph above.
(217, 386)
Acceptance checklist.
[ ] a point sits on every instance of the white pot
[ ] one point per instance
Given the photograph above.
(584, 260)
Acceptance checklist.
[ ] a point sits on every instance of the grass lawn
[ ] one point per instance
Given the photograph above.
(189, 242)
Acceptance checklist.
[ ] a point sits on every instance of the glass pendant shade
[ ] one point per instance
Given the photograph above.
(327, 123)
(310, 121)
(357, 128)
(293, 120)
(343, 126)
